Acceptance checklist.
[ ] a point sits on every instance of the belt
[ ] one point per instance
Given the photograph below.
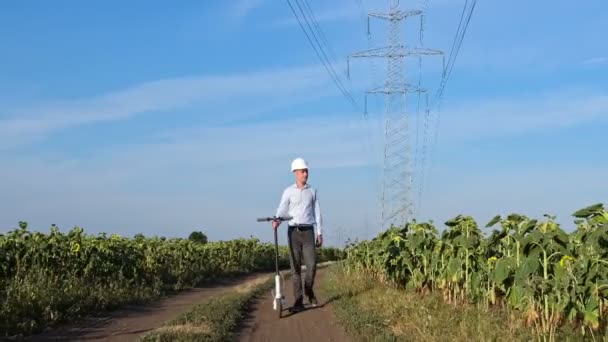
(301, 227)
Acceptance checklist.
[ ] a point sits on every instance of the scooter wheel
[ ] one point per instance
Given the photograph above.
(280, 308)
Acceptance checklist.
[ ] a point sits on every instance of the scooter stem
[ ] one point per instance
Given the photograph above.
(276, 250)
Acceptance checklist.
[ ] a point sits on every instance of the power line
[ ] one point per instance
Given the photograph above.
(318, 27)
(417, 173)
(324, 40)
(369, 145)
(456, 44)
(323, 59)
(319, 42)
(465, 19)
(458, 39)
(423, 149)
(366, 27)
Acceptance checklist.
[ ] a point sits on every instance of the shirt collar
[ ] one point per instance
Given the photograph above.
(295, 185)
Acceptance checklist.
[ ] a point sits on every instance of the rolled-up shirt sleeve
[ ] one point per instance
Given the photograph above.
(318, 217)
(282, 210)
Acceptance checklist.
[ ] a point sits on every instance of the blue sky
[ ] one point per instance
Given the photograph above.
(144, 117)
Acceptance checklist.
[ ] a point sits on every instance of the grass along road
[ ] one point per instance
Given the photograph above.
(314, 324)
(130, 323)
(49, 279)
(246, 313)
(371, 311)
(215, 320)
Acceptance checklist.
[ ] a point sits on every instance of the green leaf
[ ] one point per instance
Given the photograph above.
(517, 297)
(572, 314)
(459, 241)
(531, 241)
(561, 237)
(494, 221)
(476, 281)
(559, 274)
(454, 267)
(588, 211)
(529, 226)
(501, 272)
(527, 269)
(592, 318)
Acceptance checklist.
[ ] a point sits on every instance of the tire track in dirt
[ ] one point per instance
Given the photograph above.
(314, 324)
(129, 323)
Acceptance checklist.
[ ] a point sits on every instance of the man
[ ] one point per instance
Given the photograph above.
(300, 202)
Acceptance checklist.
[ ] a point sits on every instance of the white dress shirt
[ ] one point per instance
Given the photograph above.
(302, 205)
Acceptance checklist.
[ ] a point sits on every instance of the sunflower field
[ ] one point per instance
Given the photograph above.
(526, 265)
(52, 277)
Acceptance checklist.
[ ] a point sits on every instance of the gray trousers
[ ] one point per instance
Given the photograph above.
(302, 248)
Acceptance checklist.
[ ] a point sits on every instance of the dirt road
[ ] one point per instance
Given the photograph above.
(130, 323)
(315, 324)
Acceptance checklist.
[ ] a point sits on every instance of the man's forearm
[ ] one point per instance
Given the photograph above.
(318, 218)
(283, 205)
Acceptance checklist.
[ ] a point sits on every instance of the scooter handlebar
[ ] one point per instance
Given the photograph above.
(268, 219)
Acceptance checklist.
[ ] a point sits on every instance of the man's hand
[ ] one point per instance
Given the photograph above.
(275, 224)
(319, 240)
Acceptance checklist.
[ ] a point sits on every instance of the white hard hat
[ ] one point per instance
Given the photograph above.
(298, 164)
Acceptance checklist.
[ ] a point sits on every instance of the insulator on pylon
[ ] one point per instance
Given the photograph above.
(348, 68)
(421, 29)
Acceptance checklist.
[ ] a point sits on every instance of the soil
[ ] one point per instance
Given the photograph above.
(260, 324)
(130, 323)
(314, 324)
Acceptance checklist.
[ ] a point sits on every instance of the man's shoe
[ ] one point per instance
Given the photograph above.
(297, 308)
(313, 301)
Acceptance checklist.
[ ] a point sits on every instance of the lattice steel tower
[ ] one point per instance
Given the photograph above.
(398, 178)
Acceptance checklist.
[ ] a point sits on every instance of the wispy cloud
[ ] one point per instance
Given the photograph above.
(329, 141)
(354, 10)
(195, 177)
(22, 124)
(198, 176)
(595, 61)
(485, 191)
(515, 57)
(503, 117)
(242, 8)
(326, 16)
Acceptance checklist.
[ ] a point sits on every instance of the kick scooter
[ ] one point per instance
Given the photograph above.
(278, 295)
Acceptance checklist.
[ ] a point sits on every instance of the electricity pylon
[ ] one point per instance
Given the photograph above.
(398, 178)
